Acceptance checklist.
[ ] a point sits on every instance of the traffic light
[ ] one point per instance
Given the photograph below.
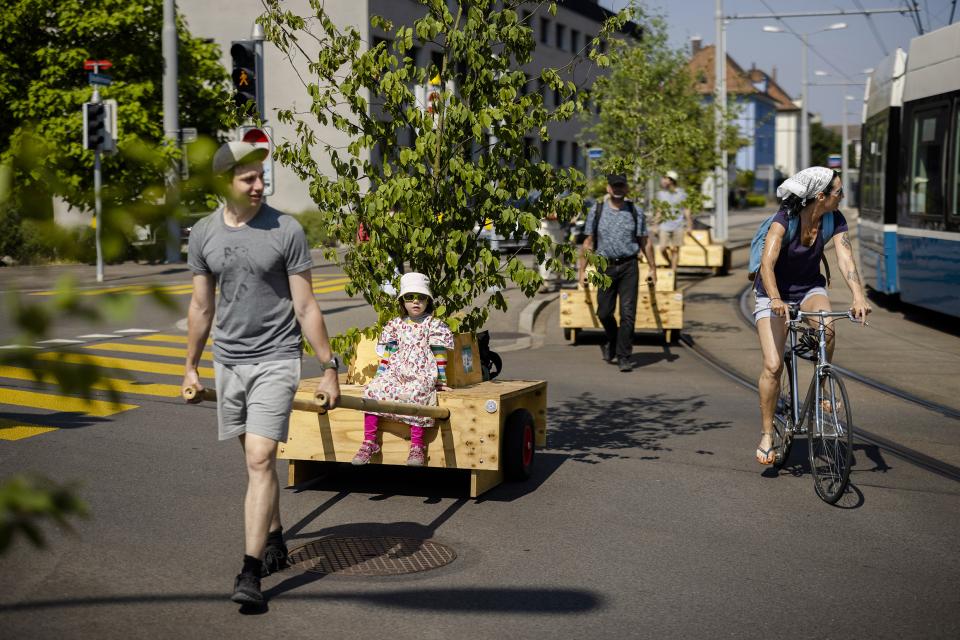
(244, 57)
(94, 125)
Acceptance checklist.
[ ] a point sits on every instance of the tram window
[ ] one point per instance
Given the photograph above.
(927, 155)
(955, 209)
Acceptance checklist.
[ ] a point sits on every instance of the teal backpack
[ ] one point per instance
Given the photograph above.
(827, 224)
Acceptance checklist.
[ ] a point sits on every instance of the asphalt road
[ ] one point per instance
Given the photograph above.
(647, 517)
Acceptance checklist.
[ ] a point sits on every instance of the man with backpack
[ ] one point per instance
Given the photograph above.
(617, 230)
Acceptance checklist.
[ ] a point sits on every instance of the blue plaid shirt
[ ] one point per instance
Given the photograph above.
(616, 230)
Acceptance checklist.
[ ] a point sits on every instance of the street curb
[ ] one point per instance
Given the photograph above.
(528, 317)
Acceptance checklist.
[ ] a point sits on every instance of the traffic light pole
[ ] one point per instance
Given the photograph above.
(97, 205)
(171, 124)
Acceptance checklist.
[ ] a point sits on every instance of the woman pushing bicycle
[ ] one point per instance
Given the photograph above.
(789, 273)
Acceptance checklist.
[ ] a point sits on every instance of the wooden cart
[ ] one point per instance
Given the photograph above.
(660, 310)
(493, 428)
(698, 250)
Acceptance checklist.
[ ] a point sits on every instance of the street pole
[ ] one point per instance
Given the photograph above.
(97, 184)
(843, 153)
(257, 35)
(720, 75)
(171, 124)
(805, 111)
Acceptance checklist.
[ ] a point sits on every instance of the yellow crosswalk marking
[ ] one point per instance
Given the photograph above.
(125, 347)
(123, 386)
(167, 337)
(125, 364)
(52, 402)
(10, 430)
(338, 287)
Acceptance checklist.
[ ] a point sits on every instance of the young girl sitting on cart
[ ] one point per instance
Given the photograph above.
(412, 368)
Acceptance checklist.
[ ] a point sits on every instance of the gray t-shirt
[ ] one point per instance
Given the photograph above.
(675, 200)
(616, 230)
(255, 317)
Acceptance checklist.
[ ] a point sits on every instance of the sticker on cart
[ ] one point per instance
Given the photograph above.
(468, 359)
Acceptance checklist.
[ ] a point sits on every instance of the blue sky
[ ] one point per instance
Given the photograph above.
(848, 51)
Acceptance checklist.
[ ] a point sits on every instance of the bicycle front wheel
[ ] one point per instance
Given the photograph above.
(831, 440)
(783, 419)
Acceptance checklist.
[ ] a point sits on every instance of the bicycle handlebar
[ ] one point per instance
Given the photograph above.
(796, 315)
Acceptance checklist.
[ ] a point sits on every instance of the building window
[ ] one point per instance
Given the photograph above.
(557, 99)
(544, 31)
(542, 90)
(561, 36)
(377, 40)
(527, 147)
(562, 153)
(587, 40)
(436, 59)
(545, 150)
(575, 152)
(574, 40)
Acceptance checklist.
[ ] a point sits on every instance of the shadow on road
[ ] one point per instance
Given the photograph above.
(590, 429)
(529, 600)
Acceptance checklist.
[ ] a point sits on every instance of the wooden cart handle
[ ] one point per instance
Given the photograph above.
(346, 402)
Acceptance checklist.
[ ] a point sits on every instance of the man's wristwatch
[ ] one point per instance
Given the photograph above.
(334, 364)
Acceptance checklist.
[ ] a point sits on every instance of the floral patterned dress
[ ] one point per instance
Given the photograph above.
(410, 374)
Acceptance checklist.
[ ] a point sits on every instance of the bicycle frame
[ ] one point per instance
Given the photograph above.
(821, 365)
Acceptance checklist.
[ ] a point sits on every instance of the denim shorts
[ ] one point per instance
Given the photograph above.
(762, 308)
(256, 398)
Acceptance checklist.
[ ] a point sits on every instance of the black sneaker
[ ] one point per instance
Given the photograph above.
(625, 364)
(609, 353)
(275, 558)
(246, 589)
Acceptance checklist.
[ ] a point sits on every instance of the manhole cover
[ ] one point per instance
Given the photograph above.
(380, 556)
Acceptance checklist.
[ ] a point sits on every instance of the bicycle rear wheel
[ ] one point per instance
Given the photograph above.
(831, 440)
(783, 419)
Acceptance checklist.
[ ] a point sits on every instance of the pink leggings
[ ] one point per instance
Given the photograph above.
(370, 421)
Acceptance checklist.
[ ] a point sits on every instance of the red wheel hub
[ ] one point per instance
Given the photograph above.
(527, 445)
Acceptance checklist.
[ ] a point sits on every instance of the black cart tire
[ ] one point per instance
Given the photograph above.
(567, 333)
(519, 445)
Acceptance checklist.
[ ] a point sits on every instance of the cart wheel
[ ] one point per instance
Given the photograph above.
(567, 333)
(519, 445)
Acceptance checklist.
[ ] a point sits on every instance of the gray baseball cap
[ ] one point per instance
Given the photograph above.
(235, 153)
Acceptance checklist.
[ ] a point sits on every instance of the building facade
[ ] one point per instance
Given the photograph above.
(558, 37)
(755, 110)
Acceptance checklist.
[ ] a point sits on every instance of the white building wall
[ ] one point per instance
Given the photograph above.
(225, 21)
(788, 145)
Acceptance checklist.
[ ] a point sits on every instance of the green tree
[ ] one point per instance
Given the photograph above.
(651, 117)
(823, 142)
(424, 180)
(43, 44)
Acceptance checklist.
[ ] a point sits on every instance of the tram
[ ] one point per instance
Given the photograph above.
(916, 215)
(879, 164)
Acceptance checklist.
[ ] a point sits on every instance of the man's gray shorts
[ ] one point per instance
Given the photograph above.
(256, 398)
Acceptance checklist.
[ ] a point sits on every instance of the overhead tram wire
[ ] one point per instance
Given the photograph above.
(873, 28)
(809, 46)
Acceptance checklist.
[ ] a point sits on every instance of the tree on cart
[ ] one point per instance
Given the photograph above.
(652, 119)
(435, 150)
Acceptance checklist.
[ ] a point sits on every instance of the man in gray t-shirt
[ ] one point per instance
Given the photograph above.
(618, 235)
(259, 260)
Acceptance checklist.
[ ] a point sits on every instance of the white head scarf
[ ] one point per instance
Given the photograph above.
(807, 183)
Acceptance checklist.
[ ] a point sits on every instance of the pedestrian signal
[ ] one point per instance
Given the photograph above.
(244, 57)
(94, 125)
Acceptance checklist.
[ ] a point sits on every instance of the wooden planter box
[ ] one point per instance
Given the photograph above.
(490, 424)
(660, 311)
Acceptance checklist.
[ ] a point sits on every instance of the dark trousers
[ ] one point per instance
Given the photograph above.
(625, 278)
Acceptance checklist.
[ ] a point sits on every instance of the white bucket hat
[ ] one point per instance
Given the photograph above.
(414, 282)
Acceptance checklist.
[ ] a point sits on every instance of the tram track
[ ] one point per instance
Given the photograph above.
(913, 456)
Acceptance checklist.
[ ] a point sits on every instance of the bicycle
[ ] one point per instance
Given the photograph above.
(830, 432)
